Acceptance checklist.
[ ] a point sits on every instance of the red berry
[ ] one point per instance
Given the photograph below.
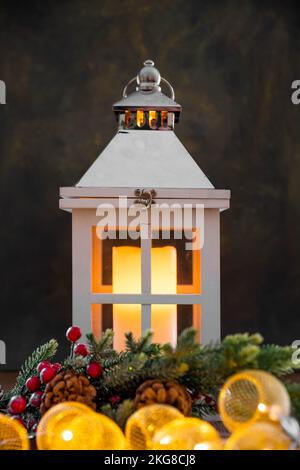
(114, 399)
(36, 399)
(94, 370)
(47, 374)
(73, 334)
(81, 350)
(42, 366)
(56, 366)
(17, 405)
(33, 383)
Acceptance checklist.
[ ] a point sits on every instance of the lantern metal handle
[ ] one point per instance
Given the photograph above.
(172, 92)
(171, 89)
(145, 197)
(125, 89)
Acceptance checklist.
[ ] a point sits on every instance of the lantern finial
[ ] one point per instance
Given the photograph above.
(148, 78)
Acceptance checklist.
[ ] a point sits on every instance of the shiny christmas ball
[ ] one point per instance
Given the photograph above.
(19, 419)
(47, 374)
(33, 383)
(81, 350)
(69, 426)
(187, 434)
(42, 366)
(73, 334)
(17, 405)
(260, 435)
(35, 399)
(250, 396)
(112, 437)
(145, 422)
(13, 435)
(94, 370)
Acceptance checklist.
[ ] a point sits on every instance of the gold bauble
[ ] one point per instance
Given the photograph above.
(145, 422)
(187, 434)
(69, 426)
(13, 435)
(260, 435)
(251, 395)
(112, 436)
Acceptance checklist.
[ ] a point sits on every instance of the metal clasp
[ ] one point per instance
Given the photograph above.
(145, 197)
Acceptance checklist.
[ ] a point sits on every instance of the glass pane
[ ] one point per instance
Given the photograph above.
(140, 118)
(116, 264)
(122, 318)
(172, 260)
(168, 321)
(153, 119)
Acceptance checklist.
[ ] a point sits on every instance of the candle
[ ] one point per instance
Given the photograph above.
(127, 280)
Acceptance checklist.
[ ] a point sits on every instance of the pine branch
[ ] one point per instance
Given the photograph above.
(77, 364)
(102, 348)
(42, 353)
(124, 410)
(143, 345)
(119, 415)
(276, 359)
(294, 392)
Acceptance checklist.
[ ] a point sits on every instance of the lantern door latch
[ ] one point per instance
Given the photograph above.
(145, 197)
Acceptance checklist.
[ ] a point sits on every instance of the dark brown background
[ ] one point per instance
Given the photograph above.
(231, 63)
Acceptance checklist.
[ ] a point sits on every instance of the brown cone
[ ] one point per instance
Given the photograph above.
(67, 386)
(165, 393)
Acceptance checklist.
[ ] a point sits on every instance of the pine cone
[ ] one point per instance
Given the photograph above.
(67, 386)
(163, 392)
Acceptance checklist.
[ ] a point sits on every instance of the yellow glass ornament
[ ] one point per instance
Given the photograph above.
(69, 426)
(144, 423)
(187, 434)
(112, 436)
(13, 435)
(251, 395)
(260, 435)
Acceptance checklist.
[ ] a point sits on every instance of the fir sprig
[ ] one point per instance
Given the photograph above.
(102, 348)
(42, 353)
(143, 345)
(294, 392)
(276, 359)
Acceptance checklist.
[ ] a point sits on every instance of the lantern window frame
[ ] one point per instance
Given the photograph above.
(83, 202)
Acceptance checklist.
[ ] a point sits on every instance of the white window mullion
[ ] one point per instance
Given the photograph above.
(146, 267)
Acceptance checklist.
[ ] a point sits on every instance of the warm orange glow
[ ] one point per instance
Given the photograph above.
(164, 119)
(152, 119)
(140, 118)
(127, 117)
(164, 281)
(127, 280)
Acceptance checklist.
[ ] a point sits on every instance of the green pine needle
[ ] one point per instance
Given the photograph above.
(42, 353)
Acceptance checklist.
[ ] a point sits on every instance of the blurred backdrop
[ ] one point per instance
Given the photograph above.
(231, 64)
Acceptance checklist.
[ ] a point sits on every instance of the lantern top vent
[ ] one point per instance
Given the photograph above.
(148, 95)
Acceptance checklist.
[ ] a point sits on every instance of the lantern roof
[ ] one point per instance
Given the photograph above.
(148, 94)
(138, 158)
(145, 158)
(154, 100)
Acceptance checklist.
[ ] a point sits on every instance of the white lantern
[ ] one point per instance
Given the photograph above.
(145, 227)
